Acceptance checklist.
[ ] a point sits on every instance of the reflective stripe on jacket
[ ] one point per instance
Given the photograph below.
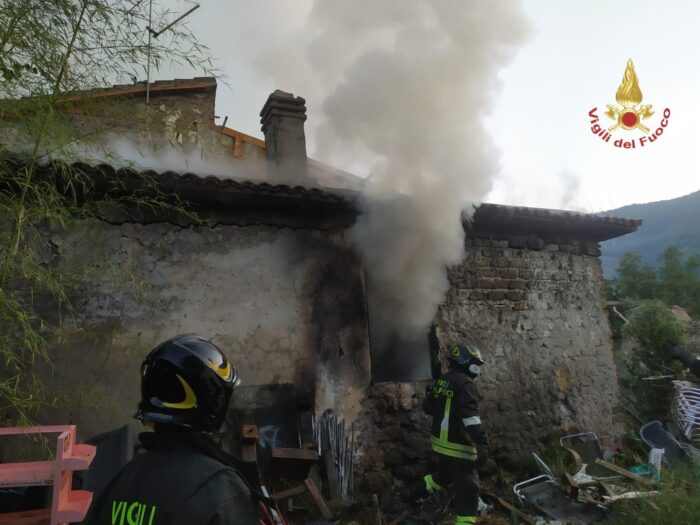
(453, 402)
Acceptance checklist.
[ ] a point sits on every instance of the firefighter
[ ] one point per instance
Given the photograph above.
(459, 444)
(183, 477)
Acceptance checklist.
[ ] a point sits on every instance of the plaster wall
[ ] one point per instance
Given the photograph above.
(286, 305)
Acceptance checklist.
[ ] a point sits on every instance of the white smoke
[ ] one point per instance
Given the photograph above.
(402, 87)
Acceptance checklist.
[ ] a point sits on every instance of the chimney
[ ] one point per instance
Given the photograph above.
(282, 118)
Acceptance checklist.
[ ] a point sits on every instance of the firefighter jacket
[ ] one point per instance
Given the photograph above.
(453, 403)
(183, 478)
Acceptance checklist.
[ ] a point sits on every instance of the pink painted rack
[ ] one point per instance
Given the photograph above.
(67, 506)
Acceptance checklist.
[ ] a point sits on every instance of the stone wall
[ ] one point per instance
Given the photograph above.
(394, 437)
(287, 306)
(537, 312)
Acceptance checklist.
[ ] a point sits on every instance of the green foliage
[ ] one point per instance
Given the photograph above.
(676, 281)
(51, 55)
(636, 280)
(678, 502)
(653, 327)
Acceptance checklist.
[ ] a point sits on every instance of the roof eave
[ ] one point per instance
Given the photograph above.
(498, 221)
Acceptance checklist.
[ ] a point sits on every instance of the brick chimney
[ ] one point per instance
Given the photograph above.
(282, 118)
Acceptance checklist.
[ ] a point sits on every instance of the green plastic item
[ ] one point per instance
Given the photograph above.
(647, 469)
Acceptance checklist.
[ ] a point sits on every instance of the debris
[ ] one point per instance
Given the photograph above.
(687, 409)
(294, 491)
(587, 446)
(318, 499)
(294, 453)
(656, 456)
(630, 495)
(249, 441)
(377, 517)
(332, 440)
(544, 468)
(484, 508)
(657, 378)
(514, 510)
(654, 436)
(271, 511)
(547, 496)
(623, 472)
(400, 519)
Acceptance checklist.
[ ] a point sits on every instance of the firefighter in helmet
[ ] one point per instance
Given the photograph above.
(458, 441)
(183, 477)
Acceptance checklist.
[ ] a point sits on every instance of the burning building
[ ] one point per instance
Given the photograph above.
(276, 279)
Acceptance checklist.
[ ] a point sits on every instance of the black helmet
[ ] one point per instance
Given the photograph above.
(186, 381)
(467, 357)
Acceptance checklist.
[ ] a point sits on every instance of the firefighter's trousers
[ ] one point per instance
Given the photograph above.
(461, 476)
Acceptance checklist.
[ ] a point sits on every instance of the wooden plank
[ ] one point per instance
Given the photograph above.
(398, 521)
(574, 489)
(527, 519)
(294, 491)
(295, 453)
(27, 517)
(377, 517)
(623, 472)
(249, 439)
(318, 499)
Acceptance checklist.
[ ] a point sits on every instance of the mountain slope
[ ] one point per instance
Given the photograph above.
(674, 221)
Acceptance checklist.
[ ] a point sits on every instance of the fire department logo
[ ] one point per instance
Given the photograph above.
(629, 96)
(628, 114)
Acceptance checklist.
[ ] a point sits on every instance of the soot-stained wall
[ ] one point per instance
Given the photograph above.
(286, 305)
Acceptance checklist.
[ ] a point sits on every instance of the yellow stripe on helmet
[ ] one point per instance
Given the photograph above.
(190, 400)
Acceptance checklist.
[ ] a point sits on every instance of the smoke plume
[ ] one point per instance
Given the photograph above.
(402, 88)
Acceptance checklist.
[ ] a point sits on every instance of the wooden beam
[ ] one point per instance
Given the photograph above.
(295, 453)
(318, 499)
(527, 519)
(294, 491)
(623, 472)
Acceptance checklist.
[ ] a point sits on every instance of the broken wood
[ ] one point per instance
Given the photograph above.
(607, 488)
(505, 504)
(249, 440)
(377, 517)
(294, 453)
(405, 514)
(576, 491)
(576, 460)
(630, 495)
(318, 499)
(294, 491)
(574, 488)
(623, 472)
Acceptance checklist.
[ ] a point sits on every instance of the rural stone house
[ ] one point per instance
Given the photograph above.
(275, 281)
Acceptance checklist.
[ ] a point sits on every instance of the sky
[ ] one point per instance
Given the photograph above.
(571, 61)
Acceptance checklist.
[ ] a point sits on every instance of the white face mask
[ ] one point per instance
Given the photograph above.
(474, 369)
